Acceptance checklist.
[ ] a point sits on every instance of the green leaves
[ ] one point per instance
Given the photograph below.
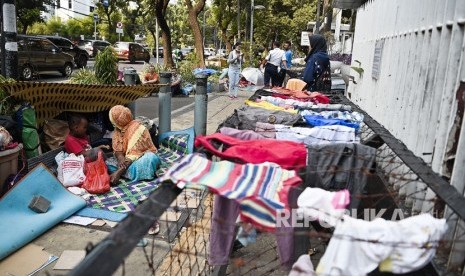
(84, 76)
(106, 66)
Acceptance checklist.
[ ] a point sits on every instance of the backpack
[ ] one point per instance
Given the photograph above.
(323, 80)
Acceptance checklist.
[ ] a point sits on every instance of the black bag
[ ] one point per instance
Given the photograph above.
(12, 127)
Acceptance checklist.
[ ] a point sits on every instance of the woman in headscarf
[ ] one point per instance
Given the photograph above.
(133, 147)
(317, 73)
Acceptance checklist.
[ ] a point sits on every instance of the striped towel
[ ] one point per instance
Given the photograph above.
(261, 189)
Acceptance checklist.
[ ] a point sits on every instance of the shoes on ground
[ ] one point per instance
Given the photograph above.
(155, 229)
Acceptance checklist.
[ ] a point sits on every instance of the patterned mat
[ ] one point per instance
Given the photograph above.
(125, 197)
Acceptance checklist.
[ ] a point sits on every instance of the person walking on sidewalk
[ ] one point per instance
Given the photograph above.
(286, 65)
(235, 59)
(272, 63)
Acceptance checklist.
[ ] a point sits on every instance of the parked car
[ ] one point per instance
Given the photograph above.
(186, 51)
(209, 52)
(160, 52)
(80, 55)
(93, 46)
(131, 51)
(222, 53)
(38, 54)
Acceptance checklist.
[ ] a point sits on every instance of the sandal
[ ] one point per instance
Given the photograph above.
(155, 229)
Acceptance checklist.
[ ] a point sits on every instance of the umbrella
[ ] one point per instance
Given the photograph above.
(253, 75)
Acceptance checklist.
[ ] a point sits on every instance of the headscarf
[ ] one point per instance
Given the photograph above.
(120, 117)
(130, 136)
(318, 44)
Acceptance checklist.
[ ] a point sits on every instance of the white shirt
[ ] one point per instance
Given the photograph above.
(276, 56)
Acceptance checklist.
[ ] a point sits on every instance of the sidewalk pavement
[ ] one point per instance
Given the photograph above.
(73, 237)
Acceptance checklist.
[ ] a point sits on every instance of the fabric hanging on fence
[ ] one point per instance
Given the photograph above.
(271, 107)
(354, 116)
(309, 136)
(241, 134)
(324, 206)
(223, 229)
(246, 117)
(358, 247)
(318, 120)
(341, 166)
(303, 267)
(261, 189)
(287, 154)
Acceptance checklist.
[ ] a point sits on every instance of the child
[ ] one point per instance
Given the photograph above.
(77, 141)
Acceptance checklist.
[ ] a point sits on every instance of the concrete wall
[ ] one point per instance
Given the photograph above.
(417, 93)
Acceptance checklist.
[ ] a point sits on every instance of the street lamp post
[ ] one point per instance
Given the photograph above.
(252, 9)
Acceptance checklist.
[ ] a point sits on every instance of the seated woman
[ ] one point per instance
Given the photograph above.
(133, 148)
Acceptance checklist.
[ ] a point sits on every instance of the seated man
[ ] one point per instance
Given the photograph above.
(176, 89)
(151, 76)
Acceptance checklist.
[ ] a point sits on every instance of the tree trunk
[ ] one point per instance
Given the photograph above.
(194, 12)
(165, 32)
(224, 35)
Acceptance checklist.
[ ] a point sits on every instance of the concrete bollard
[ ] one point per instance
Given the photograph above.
(164, 103)
(201, 101)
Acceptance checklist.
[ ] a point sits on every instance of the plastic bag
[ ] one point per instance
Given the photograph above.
(70, 169)
(97, 178)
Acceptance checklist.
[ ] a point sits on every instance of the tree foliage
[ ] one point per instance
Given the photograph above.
(28, 12)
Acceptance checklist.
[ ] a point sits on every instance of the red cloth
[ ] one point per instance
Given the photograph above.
(76, 145)
(302, 96)
(287, 154)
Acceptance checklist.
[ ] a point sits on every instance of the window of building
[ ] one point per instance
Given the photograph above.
(70, 4)
(91, 9)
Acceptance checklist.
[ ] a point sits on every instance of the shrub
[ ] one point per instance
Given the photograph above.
(106, 66)
(84, 76)
(7, 102)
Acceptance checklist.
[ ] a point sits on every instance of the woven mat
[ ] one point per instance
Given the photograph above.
(125, 197)
(50, 99)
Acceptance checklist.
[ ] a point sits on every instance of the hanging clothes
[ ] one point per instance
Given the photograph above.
(287, 154)
(325, 206)
(335, 167)
(358, 247)
(261, 189)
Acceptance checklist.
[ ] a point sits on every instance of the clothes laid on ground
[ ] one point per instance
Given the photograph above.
(358, 247)
(324, 206)
(318, 120)
(287, 154)
(302, 105)
(261, 189)
(339, 166)
(241, 134)
(303, 267)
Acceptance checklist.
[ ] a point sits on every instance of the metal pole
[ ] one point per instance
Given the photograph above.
(238, 21)
(251, 28)
(11, 45)
(317, 31)
(164, 103)
(156, 38)
(203, 43)
(95, 29)
(201, 102)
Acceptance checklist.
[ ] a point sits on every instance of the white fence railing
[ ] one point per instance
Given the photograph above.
(414, 84)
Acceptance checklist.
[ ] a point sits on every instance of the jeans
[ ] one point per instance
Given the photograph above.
(233, 74)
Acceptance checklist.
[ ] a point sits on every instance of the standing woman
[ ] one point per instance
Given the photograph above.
(234, 71)
(317, 72)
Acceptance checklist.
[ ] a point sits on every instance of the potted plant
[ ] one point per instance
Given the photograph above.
(8, 157)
